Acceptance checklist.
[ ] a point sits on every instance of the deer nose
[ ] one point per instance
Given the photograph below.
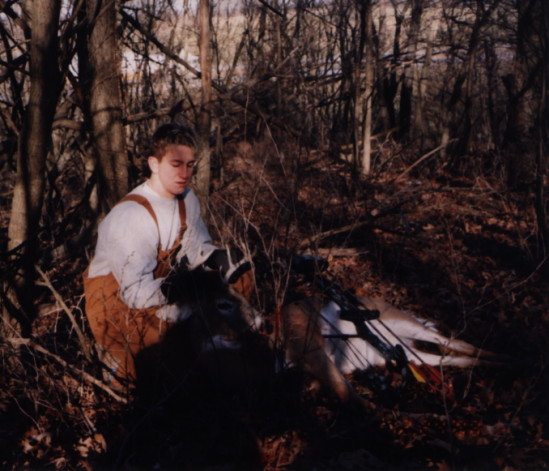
(226, 307)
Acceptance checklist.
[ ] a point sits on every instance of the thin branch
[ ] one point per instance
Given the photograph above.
(221, 89)
(81, 337)
(340, 230)
(162, 47)
(86, 376)
(422, 158)
(273, 9)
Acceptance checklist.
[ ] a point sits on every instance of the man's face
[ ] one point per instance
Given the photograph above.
(171, 175)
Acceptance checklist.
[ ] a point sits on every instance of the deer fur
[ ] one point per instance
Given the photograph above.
(205, 377)
(207, 347)
(307, 323)
(397, 327)
(215, 341)
(305, 348)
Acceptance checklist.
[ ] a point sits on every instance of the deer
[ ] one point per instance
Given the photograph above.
(327, 346)
(397, 326)
(222, 342)
(213, 345)
(203, 378)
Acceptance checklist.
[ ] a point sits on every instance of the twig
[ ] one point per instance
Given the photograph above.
(81, 337)
(376, 214)
(349, 227)
(274, 10)
(422, 158)
(220, 88)
(337, 252)
(88, 377)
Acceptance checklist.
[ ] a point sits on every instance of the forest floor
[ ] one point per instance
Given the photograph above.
(458, 251)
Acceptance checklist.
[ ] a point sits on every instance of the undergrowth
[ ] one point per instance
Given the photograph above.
(455, 250)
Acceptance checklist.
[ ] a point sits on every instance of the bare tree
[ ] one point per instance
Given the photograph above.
(100, 71)
(520, 84)
(541, 199)
(203, 173)
(368, 29)
(422, 72)
(33, 145)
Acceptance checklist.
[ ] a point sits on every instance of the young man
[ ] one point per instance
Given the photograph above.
(152, 229)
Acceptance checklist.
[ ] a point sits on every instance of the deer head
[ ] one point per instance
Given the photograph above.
(220, 316)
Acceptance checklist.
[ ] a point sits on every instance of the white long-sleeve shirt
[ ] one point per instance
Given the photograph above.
(128, 242)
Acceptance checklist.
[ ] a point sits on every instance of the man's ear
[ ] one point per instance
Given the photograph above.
(153, 164)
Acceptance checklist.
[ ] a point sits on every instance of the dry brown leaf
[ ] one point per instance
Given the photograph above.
(95, 443)
(36, 442)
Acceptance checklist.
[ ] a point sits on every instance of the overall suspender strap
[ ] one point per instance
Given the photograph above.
(182, 217)
(143, 202)
(147, 205)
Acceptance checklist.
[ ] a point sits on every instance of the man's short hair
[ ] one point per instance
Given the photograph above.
(171, 134)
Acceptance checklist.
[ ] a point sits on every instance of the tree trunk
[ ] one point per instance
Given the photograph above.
(543, 144)
(33, 145)
(483, 16)
(415, 111)
(202, 181)
(105, 102)
(368, 91)
(518, 139)
(419, 126)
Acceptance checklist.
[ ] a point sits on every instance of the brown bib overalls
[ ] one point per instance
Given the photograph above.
(120, 332)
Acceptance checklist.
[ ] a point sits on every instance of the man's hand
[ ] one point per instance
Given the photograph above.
(230, 263)
(173, 312)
